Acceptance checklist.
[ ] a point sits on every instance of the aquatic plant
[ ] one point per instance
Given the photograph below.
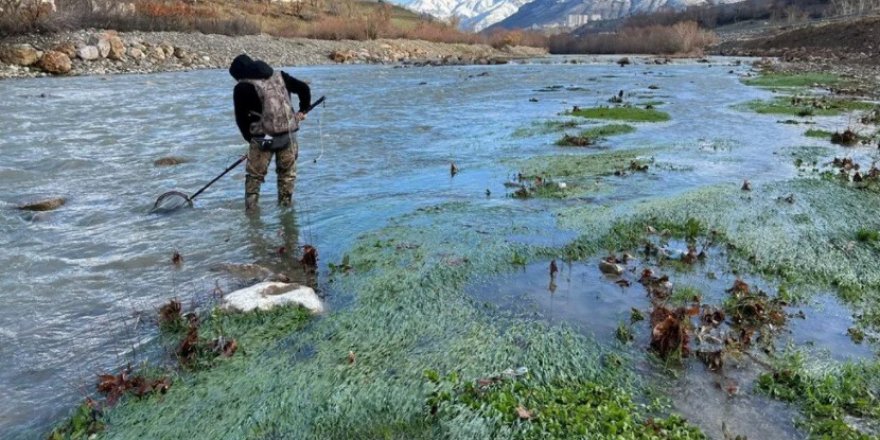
(793, 80)
(631, 114)
(806, 106)
(529, 409)
(547, 127)
(839, 402)
(816, 133)
(592, 135)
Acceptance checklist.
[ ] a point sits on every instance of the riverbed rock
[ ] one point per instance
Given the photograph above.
(55, 63)
(268, 295)
(43, 205)
(103, 46)
(609, 268)
(167, 49)
(88, 53)
(20, 55)
(342, 56)
(117, 48)
(170, 161)
(67, 48)
(136, 53)
(157, 53)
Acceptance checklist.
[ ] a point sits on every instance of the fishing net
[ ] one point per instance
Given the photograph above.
(171, 201)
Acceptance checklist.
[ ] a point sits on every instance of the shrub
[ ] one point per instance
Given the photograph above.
(680, 38)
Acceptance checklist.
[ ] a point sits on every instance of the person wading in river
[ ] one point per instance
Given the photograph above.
(268, 123)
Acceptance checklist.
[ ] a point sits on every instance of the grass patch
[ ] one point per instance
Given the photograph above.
(530, 409)
(795, 106)
(868, 235)
(835, 401)
(820, 134)
(631, 114)
(787, 80)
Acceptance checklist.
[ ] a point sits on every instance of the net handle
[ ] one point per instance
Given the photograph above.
(228, 169)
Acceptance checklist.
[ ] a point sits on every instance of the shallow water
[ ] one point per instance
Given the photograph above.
(582, 296)
(75, 277)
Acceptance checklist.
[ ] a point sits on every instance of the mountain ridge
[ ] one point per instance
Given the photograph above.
(575, 13)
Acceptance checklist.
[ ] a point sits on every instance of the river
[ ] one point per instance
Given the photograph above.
(76, 279)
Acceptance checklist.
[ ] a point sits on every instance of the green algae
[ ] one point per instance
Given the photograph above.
(547, 127)
(630, 114)
(804, 107)
(794, 80)
(358, 372)
(652, 103)
(838, 401)
(528, 409)
(809, 155)
(597, 133)
(581, 166)
(816, 133)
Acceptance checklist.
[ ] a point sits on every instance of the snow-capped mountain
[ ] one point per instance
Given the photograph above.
(573, 13)
(474, 14)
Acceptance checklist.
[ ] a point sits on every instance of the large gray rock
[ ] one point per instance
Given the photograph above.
(20, 55)
(268, 295)
(88, 53)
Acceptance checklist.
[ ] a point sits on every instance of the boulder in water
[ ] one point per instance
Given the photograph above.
(43, 205)
(170, 161)
(268, 295)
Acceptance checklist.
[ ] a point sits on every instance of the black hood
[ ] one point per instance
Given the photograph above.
(243, 67)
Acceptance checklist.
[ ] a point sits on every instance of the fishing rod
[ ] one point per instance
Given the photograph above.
(166, 199)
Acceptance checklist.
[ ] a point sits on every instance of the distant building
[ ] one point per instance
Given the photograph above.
(578, 20)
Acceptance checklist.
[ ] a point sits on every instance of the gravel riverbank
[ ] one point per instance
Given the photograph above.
(98, 52)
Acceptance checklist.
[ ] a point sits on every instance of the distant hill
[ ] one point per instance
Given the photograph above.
(570, 14)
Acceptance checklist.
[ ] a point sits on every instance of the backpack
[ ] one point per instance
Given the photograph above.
(277, 116)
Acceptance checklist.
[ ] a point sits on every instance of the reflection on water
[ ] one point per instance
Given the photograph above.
(73, 277)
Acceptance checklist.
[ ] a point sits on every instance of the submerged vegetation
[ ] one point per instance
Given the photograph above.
(593, 135)
(838, 403)
(631, 114)
(794, 80)
(547, 127)
(533, 409)
(807, 106)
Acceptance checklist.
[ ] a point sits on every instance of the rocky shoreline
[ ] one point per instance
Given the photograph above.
(103, 52)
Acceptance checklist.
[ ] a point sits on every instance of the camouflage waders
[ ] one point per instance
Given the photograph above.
(257, 167)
